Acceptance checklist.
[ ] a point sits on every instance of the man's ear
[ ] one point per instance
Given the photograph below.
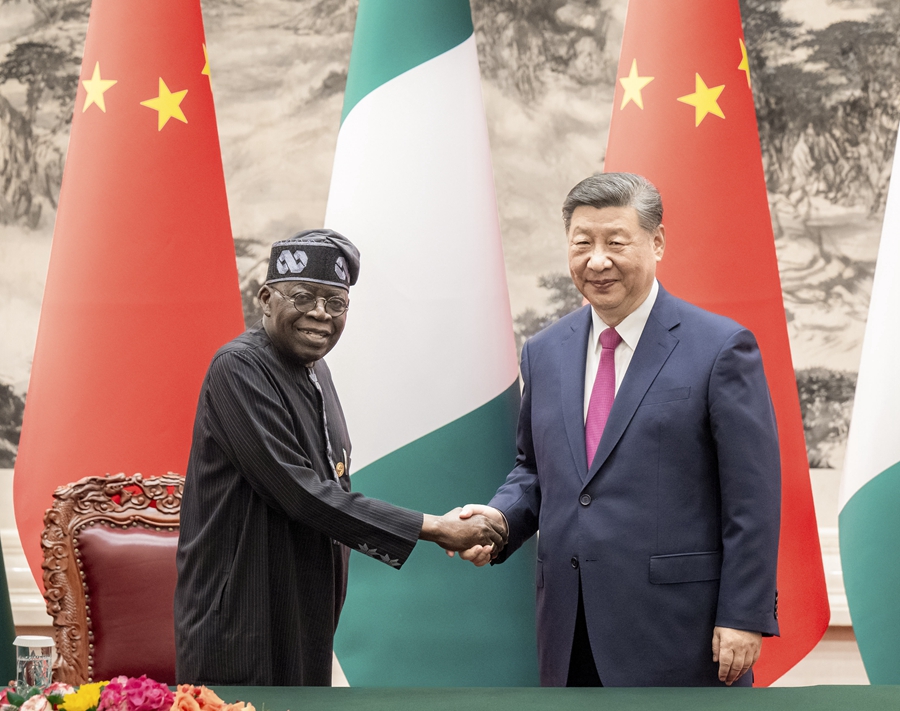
(265, 295)
(659, 242)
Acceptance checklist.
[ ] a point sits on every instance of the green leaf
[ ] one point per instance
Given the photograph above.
(15, 699)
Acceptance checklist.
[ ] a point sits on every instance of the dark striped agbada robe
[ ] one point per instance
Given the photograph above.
(266, 525)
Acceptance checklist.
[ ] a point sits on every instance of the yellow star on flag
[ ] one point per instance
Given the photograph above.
(633, 85)
(703, 100)
(205, 69)
(745, 62)
(168, 104)
(95, 87)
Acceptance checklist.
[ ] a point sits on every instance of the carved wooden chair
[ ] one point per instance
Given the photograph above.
(109, 576)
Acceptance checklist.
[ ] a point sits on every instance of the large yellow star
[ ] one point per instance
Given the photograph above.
(703, 100)
(205, 69)
(167, 104)
(633, 85)
(95, 87)
(745, 62)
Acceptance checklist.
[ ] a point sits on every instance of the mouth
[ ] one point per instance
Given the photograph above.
(316, 335)
(602, 284)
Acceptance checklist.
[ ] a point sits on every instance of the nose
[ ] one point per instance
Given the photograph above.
(319, 311)
(599, 259)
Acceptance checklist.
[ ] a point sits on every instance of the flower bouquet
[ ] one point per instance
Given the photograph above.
(119, 694)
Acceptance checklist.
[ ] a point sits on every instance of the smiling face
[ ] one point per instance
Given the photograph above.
(307, 337)
(612, 259)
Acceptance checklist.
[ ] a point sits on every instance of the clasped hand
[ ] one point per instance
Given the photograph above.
(462, 530)
(480, 555)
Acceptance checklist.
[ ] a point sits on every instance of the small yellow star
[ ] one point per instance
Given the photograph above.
(205, 69)
(703, 100)
(167, 104)
(633, 85)
(745, 62)
(95, 87)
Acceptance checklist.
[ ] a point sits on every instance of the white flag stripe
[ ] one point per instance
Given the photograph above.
(413, 157)
(873, 444)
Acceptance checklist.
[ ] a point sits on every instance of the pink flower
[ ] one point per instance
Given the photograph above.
(58, 688)
(140, 694)
(145, 694)
(112, 697)
(36, 703)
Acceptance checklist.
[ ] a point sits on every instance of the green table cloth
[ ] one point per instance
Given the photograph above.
(808, 698)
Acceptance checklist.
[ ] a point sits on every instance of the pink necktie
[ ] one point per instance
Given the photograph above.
(603, 392)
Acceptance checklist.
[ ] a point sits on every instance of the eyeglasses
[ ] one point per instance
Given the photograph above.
(304, 302)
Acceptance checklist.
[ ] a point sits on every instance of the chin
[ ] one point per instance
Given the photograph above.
(601, 305)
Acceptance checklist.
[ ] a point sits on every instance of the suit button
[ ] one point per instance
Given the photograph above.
(574, 562)
(585, 499)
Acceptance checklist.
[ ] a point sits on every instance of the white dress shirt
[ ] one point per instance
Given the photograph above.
(630, 330)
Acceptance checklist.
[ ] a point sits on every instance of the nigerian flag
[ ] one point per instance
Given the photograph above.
(870, 488)
(427, 367)
(7, 631)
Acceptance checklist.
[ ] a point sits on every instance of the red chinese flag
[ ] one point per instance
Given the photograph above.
(142, 286)
(683, 116)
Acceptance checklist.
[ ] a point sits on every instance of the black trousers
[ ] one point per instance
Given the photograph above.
(582, 669)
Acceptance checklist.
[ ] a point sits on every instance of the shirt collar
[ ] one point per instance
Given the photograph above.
(632, 325)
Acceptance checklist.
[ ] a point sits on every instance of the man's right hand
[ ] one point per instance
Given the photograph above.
(482, 555)
(455, 532)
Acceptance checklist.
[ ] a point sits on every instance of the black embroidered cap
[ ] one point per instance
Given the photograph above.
(321, 256)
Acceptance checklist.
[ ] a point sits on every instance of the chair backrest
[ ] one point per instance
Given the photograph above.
(109, 576)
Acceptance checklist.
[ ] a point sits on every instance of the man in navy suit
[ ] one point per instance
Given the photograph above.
(657, 550)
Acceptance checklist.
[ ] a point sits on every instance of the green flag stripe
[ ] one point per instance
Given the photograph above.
(7, 631)
(870, 558)
(393, 36)
(436, 603)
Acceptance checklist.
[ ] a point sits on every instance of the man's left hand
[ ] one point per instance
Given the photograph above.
(736, 651)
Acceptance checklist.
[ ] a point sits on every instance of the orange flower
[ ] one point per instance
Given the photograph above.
(185, 699)
(198, 698)
(208, 701)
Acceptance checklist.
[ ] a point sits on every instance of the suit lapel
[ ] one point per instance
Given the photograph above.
(653, 350)
(571, 377)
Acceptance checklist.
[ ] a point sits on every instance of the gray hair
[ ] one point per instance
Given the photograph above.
(617, 190)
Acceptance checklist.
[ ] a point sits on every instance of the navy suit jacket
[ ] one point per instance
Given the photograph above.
(673, 528)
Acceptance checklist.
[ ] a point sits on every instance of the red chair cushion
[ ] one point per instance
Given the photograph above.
(130, 576)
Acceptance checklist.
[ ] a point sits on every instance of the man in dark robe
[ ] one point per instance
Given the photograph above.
(268, 519)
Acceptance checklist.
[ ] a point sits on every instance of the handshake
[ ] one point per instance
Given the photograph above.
(477, 532)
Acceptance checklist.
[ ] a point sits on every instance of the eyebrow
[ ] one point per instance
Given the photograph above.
(339, 294)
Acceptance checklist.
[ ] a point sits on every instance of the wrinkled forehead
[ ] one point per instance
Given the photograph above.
(300, 286)
(589, 220)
